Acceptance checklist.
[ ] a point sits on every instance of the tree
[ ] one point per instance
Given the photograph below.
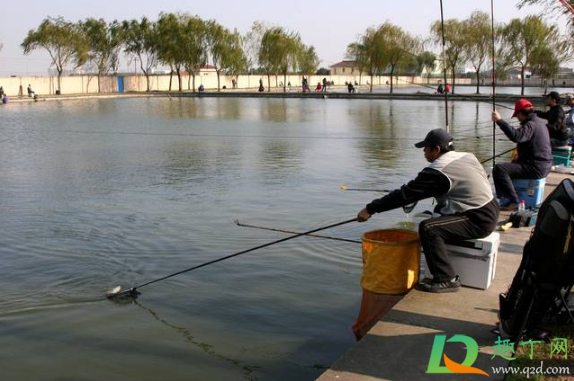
(170, 38)
(323, 71)
(368, 53)
(521, 38)
(309, 61)
(194, 46)
(267, 58)
(455, 44)
(545, 63)
(397, 46)
(286, 51)
(140, 39)
(224, 49)
(251, 44)
(104, 43)
(63, 41)
(355, 52)
(427, 62)
(478, 37)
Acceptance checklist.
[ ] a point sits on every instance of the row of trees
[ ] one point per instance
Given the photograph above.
(178, 41)
(185, 42)
(526, 43)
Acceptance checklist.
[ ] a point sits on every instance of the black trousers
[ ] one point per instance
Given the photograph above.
(435, 231)
(503, 174)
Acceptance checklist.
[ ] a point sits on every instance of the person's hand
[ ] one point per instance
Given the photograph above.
(363, 215)
(496, 116)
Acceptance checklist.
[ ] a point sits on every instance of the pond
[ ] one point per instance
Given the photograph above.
(98, 193)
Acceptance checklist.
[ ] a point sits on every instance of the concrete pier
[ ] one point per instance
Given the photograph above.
(399, 346)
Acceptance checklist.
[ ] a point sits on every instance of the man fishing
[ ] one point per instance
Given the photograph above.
(467, 207)
(534, 153)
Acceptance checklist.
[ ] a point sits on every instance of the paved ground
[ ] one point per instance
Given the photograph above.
(398, 347)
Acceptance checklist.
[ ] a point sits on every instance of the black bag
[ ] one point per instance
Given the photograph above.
(547, 264)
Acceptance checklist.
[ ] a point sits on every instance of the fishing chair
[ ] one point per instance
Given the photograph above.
(542, 285)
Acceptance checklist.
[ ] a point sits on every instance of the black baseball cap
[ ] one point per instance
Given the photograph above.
(554, 95)
(436, 137)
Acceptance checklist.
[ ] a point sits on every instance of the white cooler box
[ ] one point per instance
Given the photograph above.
(474, 261)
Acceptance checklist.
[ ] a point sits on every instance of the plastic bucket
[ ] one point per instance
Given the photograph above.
(391, 261)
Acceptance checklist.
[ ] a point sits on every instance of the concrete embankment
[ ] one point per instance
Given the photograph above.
(399, 346)
(281, 94)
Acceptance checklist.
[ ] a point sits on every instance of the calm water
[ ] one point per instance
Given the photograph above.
(97, 193)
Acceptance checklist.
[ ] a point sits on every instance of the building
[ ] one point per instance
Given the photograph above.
(345, 68)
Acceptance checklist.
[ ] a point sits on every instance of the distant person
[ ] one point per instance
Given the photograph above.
(440, 88)
(319, 88)
(447, 88)
(304, 84)
(351, 88)
(21, 92)
(261, 87)
(324, 89)
(534, 153)
(31, 92)
(289, 85)
(555, 117)
(233, 83)
(387, 83)
(201, 88)
(2, 93)
(356, 83)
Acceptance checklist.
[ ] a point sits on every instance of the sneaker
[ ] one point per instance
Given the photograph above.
(452, 285)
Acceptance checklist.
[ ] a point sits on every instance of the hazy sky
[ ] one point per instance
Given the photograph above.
(328, 25)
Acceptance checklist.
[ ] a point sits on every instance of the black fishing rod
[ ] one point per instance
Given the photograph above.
(498, 155)
(344, 188)
(458, 96)
(132, 292)
(444, 69)
(295, 232)
(493, 81)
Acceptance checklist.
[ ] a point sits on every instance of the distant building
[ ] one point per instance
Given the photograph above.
(345, 68)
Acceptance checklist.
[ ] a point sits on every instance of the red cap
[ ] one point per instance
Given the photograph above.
(522, 104)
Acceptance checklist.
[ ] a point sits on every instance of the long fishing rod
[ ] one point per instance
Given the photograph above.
(295, 232)
(497, 155)
(344, 188)
(444, 69)
(132, 292)
(458, 96)
(493, 80)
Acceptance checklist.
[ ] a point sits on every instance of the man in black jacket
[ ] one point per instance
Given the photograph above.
(534, 153)
(464, 199)
(556, 120)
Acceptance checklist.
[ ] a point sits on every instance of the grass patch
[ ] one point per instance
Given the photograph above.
(541, 353)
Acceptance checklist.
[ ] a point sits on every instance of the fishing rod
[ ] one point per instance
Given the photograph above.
(444, 69)
(295, 232)
(344, 188)
(493, 80)
(498, 155)
(388, 191)
(133, 292)
(458, 96)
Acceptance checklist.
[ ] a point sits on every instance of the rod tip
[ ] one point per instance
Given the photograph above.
(343, 187)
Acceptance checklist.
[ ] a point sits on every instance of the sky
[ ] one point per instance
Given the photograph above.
(328, 25)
